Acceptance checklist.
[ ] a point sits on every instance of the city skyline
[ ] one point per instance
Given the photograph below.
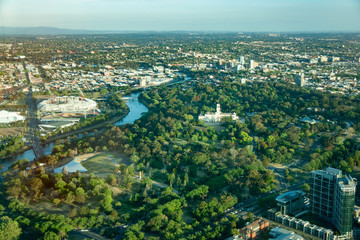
(164, 15)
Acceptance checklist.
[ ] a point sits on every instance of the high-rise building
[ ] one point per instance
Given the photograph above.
(299, 80)
(252, 64)
(332, 197)
(242, 60)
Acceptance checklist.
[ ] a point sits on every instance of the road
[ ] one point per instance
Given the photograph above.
(33, 127)
(4, 102)
(85, 234)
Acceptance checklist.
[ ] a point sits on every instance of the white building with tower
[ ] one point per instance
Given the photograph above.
(217, 116)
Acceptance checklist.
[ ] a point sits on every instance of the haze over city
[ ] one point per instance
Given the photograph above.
(167, 120)
(184, 15)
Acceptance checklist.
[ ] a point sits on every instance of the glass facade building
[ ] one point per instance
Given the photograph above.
(332, 198)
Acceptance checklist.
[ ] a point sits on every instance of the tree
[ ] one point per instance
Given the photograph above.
(250, 217)
(51, 236)
(186, 179)
(72, 213)
(56, 201)
(306, 188)
(83, 211)
(198, 193)
(9, 229)
(112, 180)
(36, 185)
(107, 201)
(14, 191)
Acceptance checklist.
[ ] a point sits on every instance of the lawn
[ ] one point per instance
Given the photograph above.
(11, 131)
(180, 141)
(104, 162)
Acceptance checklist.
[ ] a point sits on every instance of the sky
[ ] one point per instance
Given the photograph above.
(185, 15)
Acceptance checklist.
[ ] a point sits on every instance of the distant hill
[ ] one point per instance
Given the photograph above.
(44, 31)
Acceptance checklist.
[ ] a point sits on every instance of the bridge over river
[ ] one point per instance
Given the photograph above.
(32, 135)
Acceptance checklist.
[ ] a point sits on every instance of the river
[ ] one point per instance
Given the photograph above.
(136, 110)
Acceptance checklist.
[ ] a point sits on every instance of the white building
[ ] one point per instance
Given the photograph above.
(8, 117)
(242, 60)
(217, 116)
(239, 67)
(145, 81)
(283, 234)
(67, 104)
(323, 58)
(252, 64)
(159, 69)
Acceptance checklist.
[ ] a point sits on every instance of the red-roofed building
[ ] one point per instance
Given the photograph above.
(253, 230)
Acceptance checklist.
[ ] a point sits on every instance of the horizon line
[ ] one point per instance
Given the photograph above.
(96, 31)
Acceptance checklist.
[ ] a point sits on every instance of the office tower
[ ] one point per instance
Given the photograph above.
(299, 80)
(332, 198)
(252, 63)
(242, 60)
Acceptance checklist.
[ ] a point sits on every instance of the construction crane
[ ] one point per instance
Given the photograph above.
(80, 91)
(81, 94)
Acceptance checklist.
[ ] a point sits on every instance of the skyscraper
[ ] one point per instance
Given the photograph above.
(252, 64)
(332, 198)
(242, 60)
(299, 80)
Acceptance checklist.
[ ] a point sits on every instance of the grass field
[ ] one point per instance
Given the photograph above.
(180, 141)
(48, 207)
(104, 163)
(4, 132)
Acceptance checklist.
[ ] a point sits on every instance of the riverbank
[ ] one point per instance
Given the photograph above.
(68, 134)
(87, 129)
(143, 101)
(135, 109)
(17, 152)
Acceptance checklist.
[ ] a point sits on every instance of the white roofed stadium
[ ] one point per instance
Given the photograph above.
(67, 104)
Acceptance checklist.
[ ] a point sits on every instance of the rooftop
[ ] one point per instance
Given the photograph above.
(282, 234)
(347, 183)
(329, 171)
(286, 197)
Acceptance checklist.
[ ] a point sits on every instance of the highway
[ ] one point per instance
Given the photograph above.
(33, 127)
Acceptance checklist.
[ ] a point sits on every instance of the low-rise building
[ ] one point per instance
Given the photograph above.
(8, 117)
(290, 202)
(252, 230)
(283, 234)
